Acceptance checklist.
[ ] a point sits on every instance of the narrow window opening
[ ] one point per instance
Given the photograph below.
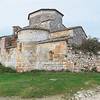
(20, 47)
(51, 53)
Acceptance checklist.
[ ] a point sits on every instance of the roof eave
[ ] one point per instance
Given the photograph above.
(44, 10)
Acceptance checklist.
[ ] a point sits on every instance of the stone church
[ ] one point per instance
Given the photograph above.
(42, 45)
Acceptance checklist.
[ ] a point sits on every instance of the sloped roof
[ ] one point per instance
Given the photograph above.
(71, 28)
(44, 10)
(32, 28)
(62, 38)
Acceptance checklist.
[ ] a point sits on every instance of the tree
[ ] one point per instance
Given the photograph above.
(90, 45)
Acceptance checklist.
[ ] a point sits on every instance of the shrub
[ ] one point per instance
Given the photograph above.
(36, 71)
(91, 45)
(6, 69)
(94, 69)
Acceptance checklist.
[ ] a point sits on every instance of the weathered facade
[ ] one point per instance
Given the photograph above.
(43, 44)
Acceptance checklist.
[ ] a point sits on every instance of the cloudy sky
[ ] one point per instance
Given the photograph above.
(76, 12)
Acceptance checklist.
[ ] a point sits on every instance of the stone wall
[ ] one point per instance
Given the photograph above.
(7, 55)
(75, 35)
(51, 20)
(57, 34)
(8, 58)
(47, 56)
(82, 61)
(62, 58)
(78, 36)
(26, 48)
(50, 55)
(26, 56)
(32, 35)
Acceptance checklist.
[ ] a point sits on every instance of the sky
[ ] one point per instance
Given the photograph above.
(85, 13)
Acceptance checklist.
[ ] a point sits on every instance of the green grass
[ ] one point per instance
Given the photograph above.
(39, 84)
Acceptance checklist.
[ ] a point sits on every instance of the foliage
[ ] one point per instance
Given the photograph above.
(91, 45)
(4, 69)
(94, 69)
(86, 69)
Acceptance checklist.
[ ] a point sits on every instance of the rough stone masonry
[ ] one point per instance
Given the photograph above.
(44, 44)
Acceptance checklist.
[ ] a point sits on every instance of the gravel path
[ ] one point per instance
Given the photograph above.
(47, 98)
(93, 94)
(13, 98)
(95, 97)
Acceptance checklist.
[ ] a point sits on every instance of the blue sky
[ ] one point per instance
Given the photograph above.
(76, 12)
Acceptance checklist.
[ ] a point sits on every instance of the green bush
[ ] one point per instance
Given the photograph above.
(91, 45)
(94, 69)
(6, 69)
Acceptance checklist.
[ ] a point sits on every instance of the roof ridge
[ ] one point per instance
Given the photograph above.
(44, 10)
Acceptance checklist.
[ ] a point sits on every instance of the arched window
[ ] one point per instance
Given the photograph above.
(51, 53)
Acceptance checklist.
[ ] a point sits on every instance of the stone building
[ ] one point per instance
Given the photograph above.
(42, 45)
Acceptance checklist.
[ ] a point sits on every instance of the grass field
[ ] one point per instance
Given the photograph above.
(39, 84)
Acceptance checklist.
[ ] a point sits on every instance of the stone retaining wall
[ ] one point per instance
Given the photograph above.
(81, 61)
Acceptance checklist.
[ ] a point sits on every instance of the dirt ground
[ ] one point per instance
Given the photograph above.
(58, 97)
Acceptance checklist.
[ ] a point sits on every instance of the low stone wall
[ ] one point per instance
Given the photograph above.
(81, 61)
(33, 57)
(73, 62)
(8, 58)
